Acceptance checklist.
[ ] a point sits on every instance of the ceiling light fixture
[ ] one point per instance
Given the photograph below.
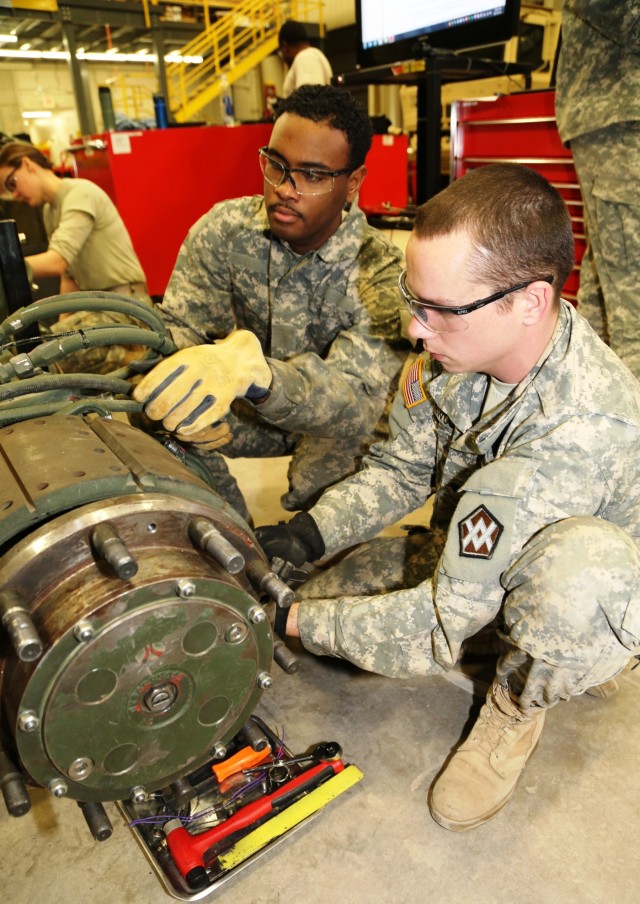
(96, 57)
(8, 39)
(37, 114)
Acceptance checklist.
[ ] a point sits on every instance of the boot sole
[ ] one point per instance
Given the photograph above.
(459, 826)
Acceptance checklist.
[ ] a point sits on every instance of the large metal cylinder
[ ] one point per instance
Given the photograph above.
(136, 592)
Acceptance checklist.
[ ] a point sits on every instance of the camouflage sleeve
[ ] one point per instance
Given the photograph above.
(198, 303)
(396, 479)
(347, 388)
(507, 502)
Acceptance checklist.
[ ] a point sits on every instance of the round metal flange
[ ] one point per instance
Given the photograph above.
(137, 682)
(160, 671)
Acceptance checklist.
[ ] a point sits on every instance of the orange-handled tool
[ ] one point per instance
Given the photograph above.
(243, 759)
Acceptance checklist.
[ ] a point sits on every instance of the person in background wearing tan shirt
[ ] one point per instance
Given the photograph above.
(89, 246)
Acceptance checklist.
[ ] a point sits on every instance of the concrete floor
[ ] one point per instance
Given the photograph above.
(570, 833)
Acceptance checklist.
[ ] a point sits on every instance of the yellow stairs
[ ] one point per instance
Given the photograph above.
(229, 48)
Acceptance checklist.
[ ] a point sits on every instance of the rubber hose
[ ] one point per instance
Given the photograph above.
(96, 337)
(48, 382)
(24, 413)
(81, 301)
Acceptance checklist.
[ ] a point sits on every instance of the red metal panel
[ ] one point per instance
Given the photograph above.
(386, 186)
(163, 180)
(514, 138)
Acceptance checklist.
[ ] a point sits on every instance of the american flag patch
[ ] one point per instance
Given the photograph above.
(412, 388)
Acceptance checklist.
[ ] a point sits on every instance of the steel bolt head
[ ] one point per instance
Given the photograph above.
(236, 633)
(81, 768)
(185, 588)
(264, 680)
(219, 751)
(138, 794)
(83, 631)
(58, 787)
(28, 720)
(257, 615)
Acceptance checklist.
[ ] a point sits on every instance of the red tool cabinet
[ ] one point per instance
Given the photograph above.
(520, 128)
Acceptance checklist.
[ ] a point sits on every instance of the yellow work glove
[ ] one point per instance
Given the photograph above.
(195, 387)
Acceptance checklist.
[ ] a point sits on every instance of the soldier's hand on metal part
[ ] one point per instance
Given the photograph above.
(210, 438)
(195, 387)
(297, 542)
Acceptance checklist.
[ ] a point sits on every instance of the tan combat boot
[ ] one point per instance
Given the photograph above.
(605, 690)
(483, 772)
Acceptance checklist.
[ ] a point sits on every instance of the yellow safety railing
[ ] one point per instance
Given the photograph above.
(133, 95)
(230, 47)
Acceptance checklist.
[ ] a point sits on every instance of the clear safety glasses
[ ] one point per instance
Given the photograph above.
(11, 182)
(448, 319)
(306, 182)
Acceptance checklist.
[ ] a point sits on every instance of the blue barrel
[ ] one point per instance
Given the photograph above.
(160, 107)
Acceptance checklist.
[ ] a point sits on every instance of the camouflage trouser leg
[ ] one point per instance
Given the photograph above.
(567, 629)
(570, 629)
(607, 166)
(100, 359)
(374, 607)
(317, 463)
(590, 301)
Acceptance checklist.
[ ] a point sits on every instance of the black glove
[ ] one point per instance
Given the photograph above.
(298, 541)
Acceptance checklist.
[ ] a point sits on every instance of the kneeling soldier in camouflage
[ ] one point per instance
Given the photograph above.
(525, 428)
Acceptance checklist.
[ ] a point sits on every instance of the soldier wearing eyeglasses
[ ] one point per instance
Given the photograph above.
(525, 428)
(287, 311)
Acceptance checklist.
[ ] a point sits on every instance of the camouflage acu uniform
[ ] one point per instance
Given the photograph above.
(598, 113)
(105, 359)
(328, 322)
(536, 523)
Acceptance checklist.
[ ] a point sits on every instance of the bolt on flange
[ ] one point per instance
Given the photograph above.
(58, 787)
(236, 633)
(257, 615)
(83, 631)
(28, 720)
(264, 680)
(185, 588)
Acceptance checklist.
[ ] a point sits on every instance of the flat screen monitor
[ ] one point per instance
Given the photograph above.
(389, 31)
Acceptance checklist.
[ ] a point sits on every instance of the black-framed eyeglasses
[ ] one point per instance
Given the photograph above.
(10, 183)
(451, 321)
(307, 181)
